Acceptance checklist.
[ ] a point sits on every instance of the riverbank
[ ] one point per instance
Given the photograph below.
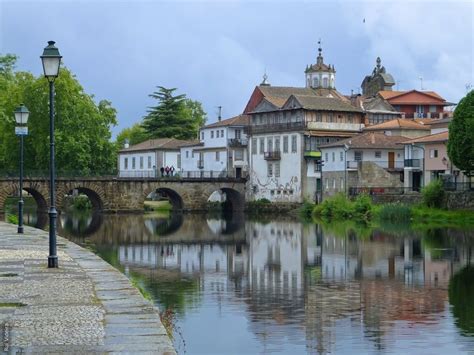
(84, 306)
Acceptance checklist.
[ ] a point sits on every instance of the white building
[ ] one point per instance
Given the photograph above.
(221, 151)
(147, 158)
(367, 161)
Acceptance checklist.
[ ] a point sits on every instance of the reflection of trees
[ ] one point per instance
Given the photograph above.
(461, 297)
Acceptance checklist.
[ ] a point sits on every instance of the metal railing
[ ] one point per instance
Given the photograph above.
(384, 164)
(458, 186)
(277, 127)
(276, 155)
(237, 142)
(36, 173)
(179, 175)
(381, 190)
(413, 163)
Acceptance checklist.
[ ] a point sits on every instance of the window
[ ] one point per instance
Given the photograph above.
(294, 147)
(262, 145)
(187, 154)
(358, 155)
(254, 146)
(217, 155)
(319, 117)
(277, 169)
(333, 156)
(270, 144)
(325, 82)
(212, 134)
(316, 166)
(350, 118)
(270, 169)
(342, 183)
(315, 82)
(179, 161)
(192, 154)
(141, 163)
(334, 183)
(341, 156)
(285, 144)
(238, 133)
(222, 133)
(330, 117)
(327, 184)
(277, 144)
(133, 163)
(202, 135)
(217, 134)
(239, 155)
(378, 154)
(432, 108)
(326, 157)
(149, 162)
(126, 163)
(433, 153)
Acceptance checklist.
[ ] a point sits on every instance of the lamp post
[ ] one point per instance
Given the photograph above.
(51, 60)
(21, 118)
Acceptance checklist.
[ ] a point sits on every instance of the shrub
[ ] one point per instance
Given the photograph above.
(13, 219)
(336, 207)
(82, 203)
(307, 209)
(395, 213)
(363, 206)
(433, 194)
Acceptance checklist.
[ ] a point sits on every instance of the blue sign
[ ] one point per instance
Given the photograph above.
(21, 131)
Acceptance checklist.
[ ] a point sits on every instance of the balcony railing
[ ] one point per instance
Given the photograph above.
(177, 175)
(384, 164)
(413, 163)
(277, 127)
(237, 142)
(354, 191)
(272, 155)
(200, 164)
(433, 115)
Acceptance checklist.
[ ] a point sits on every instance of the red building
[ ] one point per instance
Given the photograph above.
(417, 104)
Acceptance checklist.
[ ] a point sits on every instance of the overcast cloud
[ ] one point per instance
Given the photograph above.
(216, 52)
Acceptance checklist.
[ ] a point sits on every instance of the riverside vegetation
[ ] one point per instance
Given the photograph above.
(361, 209)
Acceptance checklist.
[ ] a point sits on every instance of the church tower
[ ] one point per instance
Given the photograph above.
(320, 75)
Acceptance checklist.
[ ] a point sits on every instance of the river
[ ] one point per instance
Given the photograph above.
(242, 286)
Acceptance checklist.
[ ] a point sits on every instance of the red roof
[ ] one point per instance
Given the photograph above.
(412, 97)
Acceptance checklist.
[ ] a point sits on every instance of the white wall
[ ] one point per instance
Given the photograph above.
(137, 171)
(214, 142)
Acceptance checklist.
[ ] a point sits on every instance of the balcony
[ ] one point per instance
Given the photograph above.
(277, 127)
(200, 164)
(413, 163)
(237, 142)
(312, 154)
(272, 155)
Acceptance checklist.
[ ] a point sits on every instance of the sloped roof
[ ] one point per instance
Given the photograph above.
(240, 120)
(398, 123)
(369, 140)
(432, 138)
(312, 102)
(398, 96)
(158, 144)
(440, 121)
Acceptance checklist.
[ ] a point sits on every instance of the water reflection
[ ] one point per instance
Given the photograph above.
(287, 287)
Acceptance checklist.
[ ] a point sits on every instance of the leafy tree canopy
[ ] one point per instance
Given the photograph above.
(82, 127)
(174, 116)
(135, 134)
(461, 135)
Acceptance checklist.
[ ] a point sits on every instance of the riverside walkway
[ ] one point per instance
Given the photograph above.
(85, 306)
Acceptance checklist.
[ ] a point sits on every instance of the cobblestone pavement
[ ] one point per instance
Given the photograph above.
(85, 306)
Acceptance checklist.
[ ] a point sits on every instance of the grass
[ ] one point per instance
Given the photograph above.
(11, 304)
(158, 206)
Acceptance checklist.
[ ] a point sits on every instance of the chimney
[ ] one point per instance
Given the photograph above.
(220, 113)
(126, 143)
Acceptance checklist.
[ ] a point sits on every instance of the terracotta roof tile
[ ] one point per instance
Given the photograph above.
(240, 120)
(432, 138)
(370, 140)
(398, 123)
(312, 102)
(158, 144)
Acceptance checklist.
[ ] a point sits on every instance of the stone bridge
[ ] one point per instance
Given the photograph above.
(112, 194)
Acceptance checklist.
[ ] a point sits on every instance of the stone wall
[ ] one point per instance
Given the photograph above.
(409, 199)
(459, 200)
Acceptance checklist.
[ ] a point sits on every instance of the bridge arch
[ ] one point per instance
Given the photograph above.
(234, 200)
(175, 198)
(94, 192)
(35, 191)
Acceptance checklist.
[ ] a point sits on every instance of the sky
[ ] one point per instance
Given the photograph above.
(216, 52)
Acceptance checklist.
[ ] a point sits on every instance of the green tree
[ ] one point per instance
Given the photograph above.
(135, 134)
(461, 297)
(173, 116)
(82, 127)
(461, 135)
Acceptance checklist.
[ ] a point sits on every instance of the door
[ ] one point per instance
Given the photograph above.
(416, 181)
(391, 160)
(238, 173)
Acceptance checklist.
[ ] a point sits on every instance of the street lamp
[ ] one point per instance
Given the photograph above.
(21, 118)
(51, 60)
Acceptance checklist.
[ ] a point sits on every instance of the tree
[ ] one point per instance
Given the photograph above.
(135, 134)
(174, 116)
(82, 127)
(461, 135)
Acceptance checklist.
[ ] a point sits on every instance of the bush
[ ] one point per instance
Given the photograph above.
(307, 209)
(363, 206)
(13, 219)
(81, 203)
(395, 213)
(433, 194)
(336, 207)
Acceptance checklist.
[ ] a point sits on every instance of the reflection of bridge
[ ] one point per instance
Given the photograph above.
(111, 194)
